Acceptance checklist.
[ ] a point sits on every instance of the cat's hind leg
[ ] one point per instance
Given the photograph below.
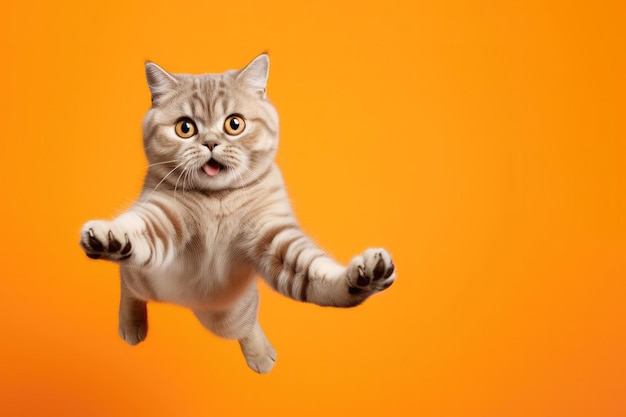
(258, 351)
(240, 323)
(133, 318)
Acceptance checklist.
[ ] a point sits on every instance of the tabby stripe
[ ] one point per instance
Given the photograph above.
(197, 99)
(305, 283)
(283, 247)
(292, 259)
(287, 268)
(224, 101)
(302, 271)
(264, 242)
(151, 237)
(297, 248)
(192, 104)
(149, 230)
(306, 279)
(158, 228)
(210, 104)
(173, 219)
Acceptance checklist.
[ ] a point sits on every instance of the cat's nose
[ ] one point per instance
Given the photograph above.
(211, 145)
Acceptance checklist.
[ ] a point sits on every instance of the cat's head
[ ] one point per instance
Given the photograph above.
(210, 131)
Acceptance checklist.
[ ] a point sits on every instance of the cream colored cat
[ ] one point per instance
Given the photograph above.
(213, 213)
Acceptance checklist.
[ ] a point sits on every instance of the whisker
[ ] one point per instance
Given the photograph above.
(178, 179)
(168, 174)
(161, 163)
(185, 178)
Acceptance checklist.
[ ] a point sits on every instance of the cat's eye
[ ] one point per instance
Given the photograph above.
(234, 124)
(185, 128)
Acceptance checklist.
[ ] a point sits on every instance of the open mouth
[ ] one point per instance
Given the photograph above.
(212, 167)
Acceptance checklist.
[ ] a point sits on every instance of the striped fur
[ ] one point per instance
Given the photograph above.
(214, 213)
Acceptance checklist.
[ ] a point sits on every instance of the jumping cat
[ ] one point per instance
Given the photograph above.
(213, 213)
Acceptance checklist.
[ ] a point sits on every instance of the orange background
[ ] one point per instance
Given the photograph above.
(483, 143)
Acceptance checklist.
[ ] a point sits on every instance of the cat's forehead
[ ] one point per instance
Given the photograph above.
(207, 99)
(208, 82)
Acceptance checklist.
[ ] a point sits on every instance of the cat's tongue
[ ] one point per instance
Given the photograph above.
(211, 168)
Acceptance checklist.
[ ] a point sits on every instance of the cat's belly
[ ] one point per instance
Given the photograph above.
(199, 288)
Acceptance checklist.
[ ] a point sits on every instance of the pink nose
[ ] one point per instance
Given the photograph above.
(211, 145)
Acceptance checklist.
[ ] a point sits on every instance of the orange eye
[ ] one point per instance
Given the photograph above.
(234, 124)
(185, 128)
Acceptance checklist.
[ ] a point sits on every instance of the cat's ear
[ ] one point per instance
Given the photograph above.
(254, 76)
(159, 80)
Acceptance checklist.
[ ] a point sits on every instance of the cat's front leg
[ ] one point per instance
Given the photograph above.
(367, 274)
(293, 265)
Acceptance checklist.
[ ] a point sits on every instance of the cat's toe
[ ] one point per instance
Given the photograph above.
(377, 264)
(100, 242)
(133, 333)
(91, 243)
(94, 242)
(259, 353)
(262, 364)
(372, 272)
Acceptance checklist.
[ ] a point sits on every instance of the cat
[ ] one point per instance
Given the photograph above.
(213, 213)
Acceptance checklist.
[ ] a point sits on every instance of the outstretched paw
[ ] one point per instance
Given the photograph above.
(99, 241)
(371, 272)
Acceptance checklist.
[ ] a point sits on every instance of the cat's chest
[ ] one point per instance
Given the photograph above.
(218, 225)
(205, 271)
